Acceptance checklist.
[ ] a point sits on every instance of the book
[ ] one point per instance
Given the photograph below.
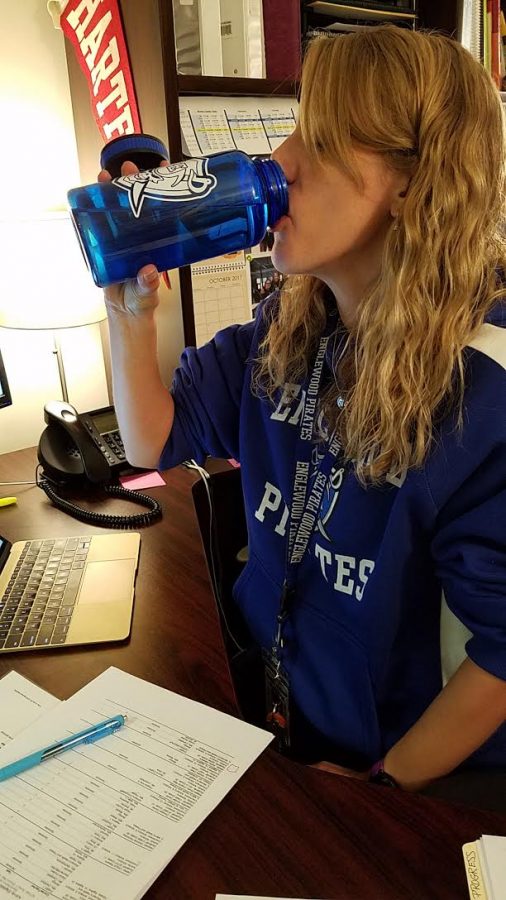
(470, 27)
(401, 6)
(485, 864)
(282, 30)
(487, 34)
(363, 10)
(496, 41)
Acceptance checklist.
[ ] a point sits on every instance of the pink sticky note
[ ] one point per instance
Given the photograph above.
(140, 482)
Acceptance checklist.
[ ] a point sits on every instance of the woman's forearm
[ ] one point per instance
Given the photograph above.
(144, 406)
(467, 711)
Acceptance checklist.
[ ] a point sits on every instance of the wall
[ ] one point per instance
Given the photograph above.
(38, 160)
(144, 46)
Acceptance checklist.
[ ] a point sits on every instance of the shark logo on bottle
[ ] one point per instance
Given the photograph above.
(182, 181)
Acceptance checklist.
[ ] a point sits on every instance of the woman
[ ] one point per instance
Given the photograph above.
(367, 407)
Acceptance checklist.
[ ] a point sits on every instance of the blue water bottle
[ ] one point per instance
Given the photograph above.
(175, 215)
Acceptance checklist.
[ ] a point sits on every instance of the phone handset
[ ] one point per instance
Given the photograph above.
(67, 449)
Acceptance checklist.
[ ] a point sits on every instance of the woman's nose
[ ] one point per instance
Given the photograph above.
(284, 158)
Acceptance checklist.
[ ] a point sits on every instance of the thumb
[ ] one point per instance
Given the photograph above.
(147, 282)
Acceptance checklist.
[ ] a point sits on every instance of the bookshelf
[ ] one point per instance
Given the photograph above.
(442, 15)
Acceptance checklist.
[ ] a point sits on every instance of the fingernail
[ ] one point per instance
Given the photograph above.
(150, 276)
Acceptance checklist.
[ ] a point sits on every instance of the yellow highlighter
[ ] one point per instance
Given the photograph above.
(8, 501)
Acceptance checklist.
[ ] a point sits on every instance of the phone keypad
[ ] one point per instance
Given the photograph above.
(114, 444)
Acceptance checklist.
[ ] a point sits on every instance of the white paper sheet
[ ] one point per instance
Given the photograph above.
(256, 125)
(21, 703)
(103, 820)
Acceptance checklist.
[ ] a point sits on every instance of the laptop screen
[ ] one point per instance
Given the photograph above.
(5, 546)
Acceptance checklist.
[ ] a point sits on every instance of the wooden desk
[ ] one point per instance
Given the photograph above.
(284, 830)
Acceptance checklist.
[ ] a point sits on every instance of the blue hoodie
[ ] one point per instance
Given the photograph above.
(364, 650)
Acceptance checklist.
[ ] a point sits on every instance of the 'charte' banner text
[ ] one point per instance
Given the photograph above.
(95, 29)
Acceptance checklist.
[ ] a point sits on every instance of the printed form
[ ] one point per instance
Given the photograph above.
(251, 124)
(100, 822)
(21, 703)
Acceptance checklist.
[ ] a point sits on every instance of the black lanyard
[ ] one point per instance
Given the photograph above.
(305, 506)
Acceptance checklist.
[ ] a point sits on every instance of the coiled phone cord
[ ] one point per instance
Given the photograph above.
(135, 520)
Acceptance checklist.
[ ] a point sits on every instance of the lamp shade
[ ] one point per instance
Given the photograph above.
(45, 282)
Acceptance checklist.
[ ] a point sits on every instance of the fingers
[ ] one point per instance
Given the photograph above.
(127, 168)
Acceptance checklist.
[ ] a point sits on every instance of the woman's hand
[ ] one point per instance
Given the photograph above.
(341, 770)
(139, 295)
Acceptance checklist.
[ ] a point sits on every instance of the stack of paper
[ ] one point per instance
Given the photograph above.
(485, 861)
(102, 820)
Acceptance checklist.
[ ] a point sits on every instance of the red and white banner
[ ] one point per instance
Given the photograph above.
(95, 29)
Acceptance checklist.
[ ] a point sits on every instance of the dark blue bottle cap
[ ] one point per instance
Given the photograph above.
(145, 150)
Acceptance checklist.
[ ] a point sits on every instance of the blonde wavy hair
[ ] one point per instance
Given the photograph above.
(421, 101)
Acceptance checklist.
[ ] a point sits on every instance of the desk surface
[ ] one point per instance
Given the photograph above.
(284, 830)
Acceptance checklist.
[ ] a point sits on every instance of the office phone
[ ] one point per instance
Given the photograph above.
(78, 452)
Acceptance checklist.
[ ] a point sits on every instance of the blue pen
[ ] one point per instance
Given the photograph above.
(88, 736)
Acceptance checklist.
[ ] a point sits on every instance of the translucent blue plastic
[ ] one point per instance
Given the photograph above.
(178, 215)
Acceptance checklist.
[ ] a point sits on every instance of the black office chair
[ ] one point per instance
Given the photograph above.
(219, 505)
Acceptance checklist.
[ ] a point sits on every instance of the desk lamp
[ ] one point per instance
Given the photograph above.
(44, 282)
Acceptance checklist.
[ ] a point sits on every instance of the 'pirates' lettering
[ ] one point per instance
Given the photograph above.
(271, 501)
(350, 576)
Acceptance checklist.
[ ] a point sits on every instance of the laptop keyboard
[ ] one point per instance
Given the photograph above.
(37, 605)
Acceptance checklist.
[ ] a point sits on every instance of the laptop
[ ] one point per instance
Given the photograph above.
(58, 592)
